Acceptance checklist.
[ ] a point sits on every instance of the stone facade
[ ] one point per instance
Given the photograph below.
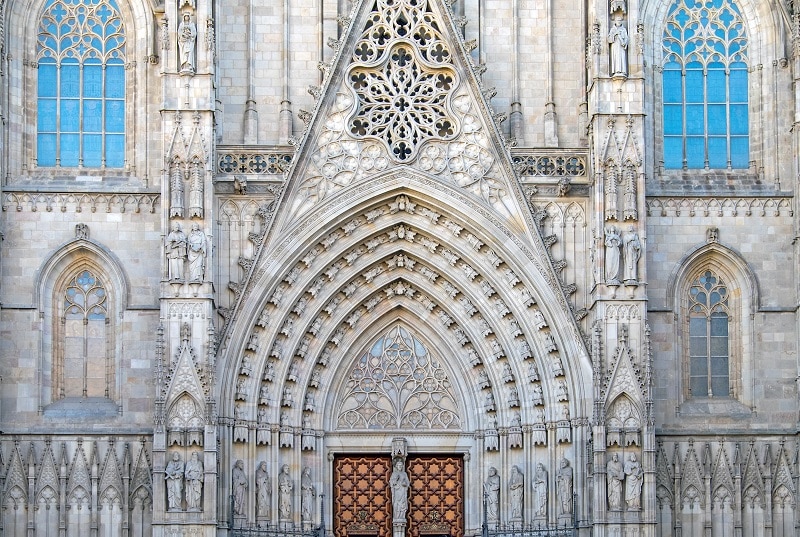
(392, 233)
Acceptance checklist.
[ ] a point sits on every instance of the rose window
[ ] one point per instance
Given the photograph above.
(402, 103)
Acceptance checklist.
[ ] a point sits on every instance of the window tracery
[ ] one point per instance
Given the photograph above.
(80, 52)
(709, 368)
(705, 86)
(398, 384)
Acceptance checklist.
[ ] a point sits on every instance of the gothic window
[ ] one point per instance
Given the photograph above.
(709, 320)
(85, 368)
(80, 52)
(705, 100)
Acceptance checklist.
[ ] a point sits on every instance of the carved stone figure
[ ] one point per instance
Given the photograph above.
(177, 172)
(515, 431)
(263, 491)
(614, 476)
(618, 38)
(516, 491)
(491, 490)
(194, 482)
(287, 434)
(633, 250)
(540, 490)
(239, 488)
(187, 36)
(308, 440)
(285, 488)
(399, 484)
(173, 474)
(196, 177)
(564, 479)
(197, 254)
(307, 493)
(491, 438)
(613, 244)
(176, 252)
(633, 482)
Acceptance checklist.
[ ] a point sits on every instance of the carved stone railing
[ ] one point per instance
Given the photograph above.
(249, 160)
(550, 162)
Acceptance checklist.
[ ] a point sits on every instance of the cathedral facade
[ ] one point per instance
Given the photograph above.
(399, 268)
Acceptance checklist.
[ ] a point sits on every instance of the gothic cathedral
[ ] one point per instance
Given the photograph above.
(399, 268)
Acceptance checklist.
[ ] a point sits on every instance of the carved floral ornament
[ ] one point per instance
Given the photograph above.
(425, 262)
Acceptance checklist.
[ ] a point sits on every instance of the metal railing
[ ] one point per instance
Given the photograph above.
(239, 528)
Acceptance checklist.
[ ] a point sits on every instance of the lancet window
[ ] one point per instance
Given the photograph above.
(80, 53)
(709, 318)
(705, 86)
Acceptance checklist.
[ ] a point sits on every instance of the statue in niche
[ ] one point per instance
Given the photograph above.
(399, 484)
(492, 439)
(197, 254)
(308, 441)
(618, 38)
(263, 491)
(187, 36)
(239, 487)
(613, 243)
(307, 493)
(285, 488)
(516, 490)
(176, 252)
(540, 490)
(194, 482)
(564, 480)
(515, 431)
(633, 482)
(196, 189)
(176, 186)
(491, 489)
(633, 251)
(173, 474)
(614, 476)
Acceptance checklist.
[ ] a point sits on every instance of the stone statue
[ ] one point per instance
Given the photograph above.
(174, 477)
(197, 254)
(613, 243)
(491, 489)
(564, 480)
(399, 484)
(491, 438)
(263, 491)
(307, 493)
(516, 491)
(194, 482)
(618, 38)
(239, 488)
(614, 476)
(287, 434)
(187, 35)
(633, 482)
(176, 252)
(285, 488)
(540, 488)
(515, 431)
(633, 250)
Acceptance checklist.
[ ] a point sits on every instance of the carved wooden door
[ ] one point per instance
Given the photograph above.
(362, 503)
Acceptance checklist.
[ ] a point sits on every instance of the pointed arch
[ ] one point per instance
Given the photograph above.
(81, 291)
(715, 293)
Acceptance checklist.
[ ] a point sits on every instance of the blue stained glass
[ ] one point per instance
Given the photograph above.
(48, 80)
(92, 81)
(115, 150)
(70, 149)
(717, 119)
(46, 150)
(673, 119)
(717, 151)
(115, 82)
(673, 86)
(92, 150)
(92, 115)
(48, 113)
(70, 115)
(115, 116)
(740, 151)
(715, 86)
(738, 85)
(70, 80)
(739, 119)
(695, 123)
(695, 151)
(673, 152)
(694, 86)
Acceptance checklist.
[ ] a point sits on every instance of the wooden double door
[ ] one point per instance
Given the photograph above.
(362, 499)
